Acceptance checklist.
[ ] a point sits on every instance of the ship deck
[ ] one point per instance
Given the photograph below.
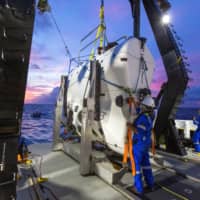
(175, 178)
(64, 179)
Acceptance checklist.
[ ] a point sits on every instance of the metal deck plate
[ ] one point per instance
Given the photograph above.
(185, 187)
(185, 167)
(169, 185)
(65, 180)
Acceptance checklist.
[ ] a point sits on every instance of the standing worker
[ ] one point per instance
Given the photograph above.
(196, 135)
(142, 129)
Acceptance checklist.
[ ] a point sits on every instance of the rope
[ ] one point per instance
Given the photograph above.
(125, 89)
(90, 43)
(61, 36)
(63, 41)
(143, 69)
(92, 31)
(144, 72)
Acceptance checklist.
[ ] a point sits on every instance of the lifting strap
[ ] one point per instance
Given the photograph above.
(142, 73)
(102, 26)
(153, 134)
(153, 143)
(128, 146)
(100, 30)
(128, 150)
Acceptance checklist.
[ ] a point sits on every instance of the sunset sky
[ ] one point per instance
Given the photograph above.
(76, 18)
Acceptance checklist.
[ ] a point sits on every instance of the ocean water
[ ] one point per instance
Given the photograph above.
(40, 130)
(186, 113)
(37, 130)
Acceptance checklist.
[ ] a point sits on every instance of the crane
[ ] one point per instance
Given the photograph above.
(16, 25)
(173, 90)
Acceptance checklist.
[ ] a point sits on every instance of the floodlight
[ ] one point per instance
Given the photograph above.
(166, 19)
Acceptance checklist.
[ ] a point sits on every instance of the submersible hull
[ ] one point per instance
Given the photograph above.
(128, 65)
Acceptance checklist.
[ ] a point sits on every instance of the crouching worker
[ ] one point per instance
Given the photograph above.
(196, 135)
(142, 128)
(23, 151)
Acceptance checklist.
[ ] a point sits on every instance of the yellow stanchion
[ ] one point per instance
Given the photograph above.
(42, 179)
(28, 162)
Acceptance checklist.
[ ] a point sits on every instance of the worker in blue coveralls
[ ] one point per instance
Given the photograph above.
(196, 135)
(142, 128)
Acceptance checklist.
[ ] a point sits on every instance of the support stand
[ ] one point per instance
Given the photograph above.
(57, 142)
(86, 138)
(88, 119)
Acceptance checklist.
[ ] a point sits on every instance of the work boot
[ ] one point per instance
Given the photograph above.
(149, 189)
(135, 191)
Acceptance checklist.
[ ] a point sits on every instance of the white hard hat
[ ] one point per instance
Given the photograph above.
(148, 101)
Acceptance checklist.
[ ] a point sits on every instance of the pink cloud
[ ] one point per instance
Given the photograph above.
(33, 92)
(38, 88)
(156, 86)
(195, 79)
(34, 55)
(159, 77)
(194, 61)
(194, 57)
